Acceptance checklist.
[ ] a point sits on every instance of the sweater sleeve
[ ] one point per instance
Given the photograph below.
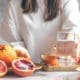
(71, 16)
(71, 19)
(9, 30)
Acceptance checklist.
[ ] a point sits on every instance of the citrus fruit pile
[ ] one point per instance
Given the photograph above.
(21, 66)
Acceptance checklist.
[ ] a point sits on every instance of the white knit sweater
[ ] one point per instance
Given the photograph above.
(32, 32)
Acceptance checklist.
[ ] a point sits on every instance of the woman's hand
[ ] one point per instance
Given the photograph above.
(22, 52)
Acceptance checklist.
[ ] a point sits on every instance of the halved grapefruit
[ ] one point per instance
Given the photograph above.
(3, 68)
(23, 67)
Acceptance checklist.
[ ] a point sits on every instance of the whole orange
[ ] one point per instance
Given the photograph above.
(52, 60)
(7, 54)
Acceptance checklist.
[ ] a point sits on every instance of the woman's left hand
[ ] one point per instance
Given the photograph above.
(22, 52)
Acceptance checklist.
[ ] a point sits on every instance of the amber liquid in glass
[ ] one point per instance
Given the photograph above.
(66, 48)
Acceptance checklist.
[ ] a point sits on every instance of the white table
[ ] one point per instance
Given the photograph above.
(41, 75)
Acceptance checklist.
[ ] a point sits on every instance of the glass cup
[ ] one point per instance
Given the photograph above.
(66, 48)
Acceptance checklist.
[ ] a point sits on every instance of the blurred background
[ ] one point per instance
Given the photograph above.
(3, 7)
(79, 3)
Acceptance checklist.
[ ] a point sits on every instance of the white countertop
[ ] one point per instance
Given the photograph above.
(41, 75)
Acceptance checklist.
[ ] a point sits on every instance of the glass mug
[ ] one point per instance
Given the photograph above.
(66, 47)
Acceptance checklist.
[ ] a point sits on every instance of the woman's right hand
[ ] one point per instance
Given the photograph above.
(22, 52)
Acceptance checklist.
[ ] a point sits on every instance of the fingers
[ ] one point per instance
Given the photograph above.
(22, 52)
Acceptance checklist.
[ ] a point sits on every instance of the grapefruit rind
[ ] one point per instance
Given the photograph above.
(6, 69)
(23, 73)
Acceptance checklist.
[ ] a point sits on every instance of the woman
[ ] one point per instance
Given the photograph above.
(33, 24)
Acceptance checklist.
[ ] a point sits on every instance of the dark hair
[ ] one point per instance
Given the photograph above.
(51, 10)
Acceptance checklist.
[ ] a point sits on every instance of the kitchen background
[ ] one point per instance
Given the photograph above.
(4, 3)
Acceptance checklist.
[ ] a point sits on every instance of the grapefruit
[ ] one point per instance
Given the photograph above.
(3, 68)
(77, 60)
(7, 54)
(23, 67)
